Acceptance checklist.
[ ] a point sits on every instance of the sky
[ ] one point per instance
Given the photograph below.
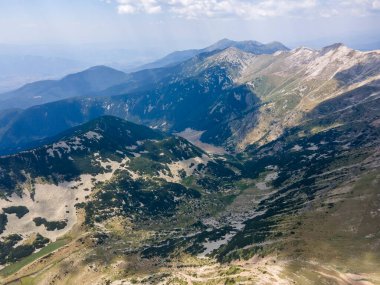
(168, 25)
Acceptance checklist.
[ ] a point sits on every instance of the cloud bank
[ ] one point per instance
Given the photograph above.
(248, 9)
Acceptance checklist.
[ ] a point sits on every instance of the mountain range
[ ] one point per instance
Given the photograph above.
(17, 69)
(240, 163)
(89, 81)
(247, 46)
(241, 97)
(100, 78)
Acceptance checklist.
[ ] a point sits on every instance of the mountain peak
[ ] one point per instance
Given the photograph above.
(231, 54)
(101, 67)
(302, 50)
(220, 45)
(249, 46)
(113, 127)
(333, 47)
(277, 45)
(102, 133)
(224, 41)
(98, 70)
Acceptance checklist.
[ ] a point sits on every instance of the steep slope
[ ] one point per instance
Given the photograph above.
(204, 88)
(322, 210)
(291, 84)
(91, 80)
(300, 205)
(7, 117)
(202, 96)
(240, 98)
(103, 169)
(309, 213)
(314, 161)
(302, 209)
(180, 65)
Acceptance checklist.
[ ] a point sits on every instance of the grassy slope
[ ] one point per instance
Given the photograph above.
(31, 258)
(346, 232)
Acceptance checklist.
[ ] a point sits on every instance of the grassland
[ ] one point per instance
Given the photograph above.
(27, 260)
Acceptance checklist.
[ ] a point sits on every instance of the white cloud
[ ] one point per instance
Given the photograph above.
(248, 8)
(376, 5)
(141, 6)
(126, 9)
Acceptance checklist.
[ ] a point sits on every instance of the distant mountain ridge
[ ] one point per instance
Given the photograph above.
(292, 198)
(234, 98)
(17, 70)
(247, 46)
(91, 80)
(99, 78)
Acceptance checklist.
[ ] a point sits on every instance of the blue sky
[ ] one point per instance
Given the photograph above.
(168, 25)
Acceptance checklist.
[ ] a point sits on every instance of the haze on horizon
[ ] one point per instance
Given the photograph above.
(47, 39)
(167, 25)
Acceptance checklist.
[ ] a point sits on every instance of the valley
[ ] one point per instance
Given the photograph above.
(239, 163)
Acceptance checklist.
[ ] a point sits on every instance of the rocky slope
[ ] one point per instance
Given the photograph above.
(242, 98)
(302, 209)
(107, 168)
(292, 84)
(111, 202)
(204, 88)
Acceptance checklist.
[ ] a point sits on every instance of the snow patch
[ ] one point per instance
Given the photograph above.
(92, 135)
(297, 148)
